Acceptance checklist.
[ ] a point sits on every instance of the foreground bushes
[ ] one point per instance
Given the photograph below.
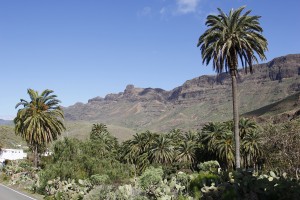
(282, 144)
(209, 183)
(74, 159)
(247, 186)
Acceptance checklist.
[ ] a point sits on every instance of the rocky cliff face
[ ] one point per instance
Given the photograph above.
(202, 99)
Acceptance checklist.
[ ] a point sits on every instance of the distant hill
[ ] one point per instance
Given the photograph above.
(8, 138)
(6, 122)
(197, 101)
(81, 130)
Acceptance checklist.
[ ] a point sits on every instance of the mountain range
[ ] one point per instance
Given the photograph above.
(198, 101)
(270, 94)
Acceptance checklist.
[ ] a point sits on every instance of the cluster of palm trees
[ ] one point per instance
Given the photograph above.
(218, 140)
(162, 149)
(214, 142)
(40, 121)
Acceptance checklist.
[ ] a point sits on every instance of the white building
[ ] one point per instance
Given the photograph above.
(12, 154)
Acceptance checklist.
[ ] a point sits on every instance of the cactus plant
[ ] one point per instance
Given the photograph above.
(67, 189)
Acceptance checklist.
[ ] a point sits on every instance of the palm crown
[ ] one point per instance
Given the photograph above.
(40, 120)
(231, 36)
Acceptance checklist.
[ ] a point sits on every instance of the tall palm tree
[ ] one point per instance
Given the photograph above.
(228, 38)
(40, 120)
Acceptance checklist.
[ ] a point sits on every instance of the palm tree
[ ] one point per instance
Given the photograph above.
(218, 138)
(224, 148)
(186, 152)
(98, 131)
(187, 148)
(162, 150)
(191, 136)
(245, 126)
(251, 148)
(100, 136)
(211, 127)
(211, 132)
(228, 125)
(228, 38)
(40, 120)
(142, 142)
(136, 151)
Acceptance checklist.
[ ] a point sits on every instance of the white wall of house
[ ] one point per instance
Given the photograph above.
(12, 154)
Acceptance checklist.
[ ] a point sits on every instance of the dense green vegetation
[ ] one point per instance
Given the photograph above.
(173, 165)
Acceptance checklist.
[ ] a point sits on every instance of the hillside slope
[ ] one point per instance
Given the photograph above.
(283, 110)
(8, 138)
(197, 101)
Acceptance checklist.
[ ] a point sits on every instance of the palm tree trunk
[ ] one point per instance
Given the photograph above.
(35, 156)
(236, 120)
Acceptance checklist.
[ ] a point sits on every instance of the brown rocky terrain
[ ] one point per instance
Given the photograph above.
(197, 101)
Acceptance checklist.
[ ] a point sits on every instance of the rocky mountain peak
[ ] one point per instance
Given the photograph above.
(129, 89)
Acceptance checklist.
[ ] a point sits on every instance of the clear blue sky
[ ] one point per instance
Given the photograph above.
(87, 48)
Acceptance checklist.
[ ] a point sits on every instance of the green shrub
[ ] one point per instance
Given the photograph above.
(98, 179)
(201, 180)
(99, 192)
(209, 166)
(151, 177)
(5, 177)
